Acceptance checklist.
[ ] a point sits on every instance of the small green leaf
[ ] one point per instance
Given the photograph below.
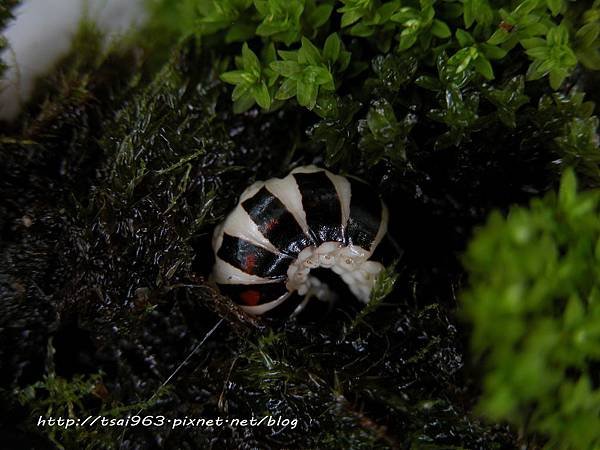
(405, 15)
(306, 94)
(464, 38)
(468, 13)
(350, 17)
(243, 103)
(557, 76)
(440, 29)
(235, 77)
(525, 7)
(408, 37)
(386, 11)
(317, 75)
(568, 190)
(288, 69)
(558, 35)
(500, 36)
(344, 60)
(287, 55)
(320, 15)
(574, 312)
(362, 29)
(533, 43)
(462, 59)
(326, 106)
(240, 32)
(331, 49)
(588, 34)
(286, 90)
(261, 95)
(239, 91)
(538, 52)
(492, 51)
(483, 66)
(556, 6)
(250, 60)
(477, 11)
(308, 53)
(269, 53)
(590, 58)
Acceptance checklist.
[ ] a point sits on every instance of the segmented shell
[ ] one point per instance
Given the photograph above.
(284, 227)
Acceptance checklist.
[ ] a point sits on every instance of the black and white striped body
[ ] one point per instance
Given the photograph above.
(284, 227)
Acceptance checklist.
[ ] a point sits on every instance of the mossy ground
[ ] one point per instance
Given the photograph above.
(111, 185)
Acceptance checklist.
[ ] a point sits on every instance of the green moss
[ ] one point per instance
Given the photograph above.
(552, 33)
(82, 398)
(366, 67)
(533, 304)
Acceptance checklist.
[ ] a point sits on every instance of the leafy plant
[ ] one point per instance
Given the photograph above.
(534, 304)
(477, 61)
(72, 399)
(508, 99)
(384, 136)
(419, 24)
(587, 42)
(551, 56)
(307, 73)
(250, 81)
(217, 15)
(280, 19)
(478, 36)
(367, 18)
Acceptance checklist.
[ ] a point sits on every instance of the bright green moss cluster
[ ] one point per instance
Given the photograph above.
(474, 36)
(534, 304)
(378, 73)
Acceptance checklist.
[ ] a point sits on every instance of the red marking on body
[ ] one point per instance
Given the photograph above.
(271, 224)
(249, 263)
(251, 297)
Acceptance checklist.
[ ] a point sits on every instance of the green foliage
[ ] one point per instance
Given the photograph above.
(217, 15)
(419, 24)
(383, 135)
(384, 285)
(476, 34)
(280, 19)
(534, 304)
(587, 47)
(508, 99)
(551, 56)
(57, 397)
(71, 399)
(573, 128)
(359, 64)
(370, 18)
(250, 82)
(306, 72)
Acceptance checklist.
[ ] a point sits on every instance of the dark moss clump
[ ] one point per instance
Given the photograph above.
(111, 187)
